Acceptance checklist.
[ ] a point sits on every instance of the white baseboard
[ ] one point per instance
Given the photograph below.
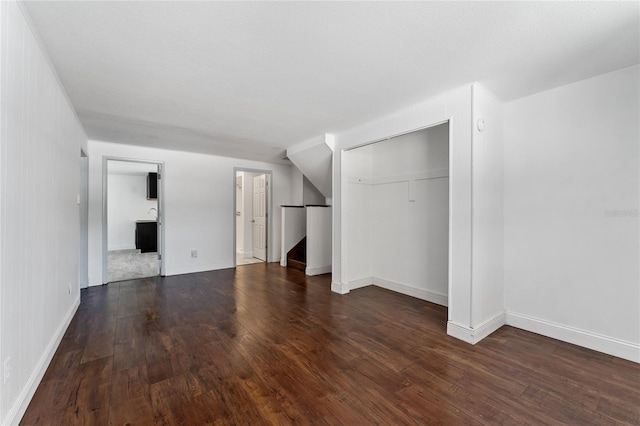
(339, 288)
(474, 335)
(489, 326)
(460, 332)
(21, 403)
(318, 271)
(429, 296)
(616, 347)
(283, 261)
(361, 282)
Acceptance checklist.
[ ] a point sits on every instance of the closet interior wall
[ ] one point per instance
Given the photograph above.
(398, 214)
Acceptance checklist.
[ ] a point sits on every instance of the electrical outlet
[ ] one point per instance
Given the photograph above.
(194, 253)
(6, 370)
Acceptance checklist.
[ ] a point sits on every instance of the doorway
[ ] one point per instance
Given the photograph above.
(251, 201)
(133, 219)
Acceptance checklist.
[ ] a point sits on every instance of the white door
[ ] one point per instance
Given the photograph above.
(260, 217)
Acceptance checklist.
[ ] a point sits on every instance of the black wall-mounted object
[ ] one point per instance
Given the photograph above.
(152, 186)
(147, 236)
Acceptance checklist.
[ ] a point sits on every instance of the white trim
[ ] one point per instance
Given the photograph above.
(429, 296)
(21, 403)
(359, 283)
(339, 288)
(318, 271)
(474, 335)
(460, 332)
(598, 342)
(283, 262)
(489, 326)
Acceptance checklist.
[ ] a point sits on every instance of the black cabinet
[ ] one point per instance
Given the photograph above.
(147, 236)
(152, 186)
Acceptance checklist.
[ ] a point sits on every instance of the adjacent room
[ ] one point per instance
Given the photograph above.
(319, 212)
(132, 220)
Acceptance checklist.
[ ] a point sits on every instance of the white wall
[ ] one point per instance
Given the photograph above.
(311, 195)
(571, 198)
(358, 165)
(487, 242)
(297, 186)
(40, 162)
(318, 240)
(198, 206)
(127, 203)
(410, 228)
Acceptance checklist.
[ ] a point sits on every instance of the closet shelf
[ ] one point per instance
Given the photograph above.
(432, 174)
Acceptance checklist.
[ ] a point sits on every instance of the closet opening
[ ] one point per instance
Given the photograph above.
(397, 191)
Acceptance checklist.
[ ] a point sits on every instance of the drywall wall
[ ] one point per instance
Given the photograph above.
(318, 240)
(410, 225)
(40, 145)
(127, 202)
(199, 212)
(311, 195)
(358, 165)
(487, 310)
(571, 226)
(297, 186)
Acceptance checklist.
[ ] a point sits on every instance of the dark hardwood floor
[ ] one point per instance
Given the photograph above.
(266, 345)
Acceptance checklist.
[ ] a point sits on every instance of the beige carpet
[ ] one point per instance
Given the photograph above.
(131, 264)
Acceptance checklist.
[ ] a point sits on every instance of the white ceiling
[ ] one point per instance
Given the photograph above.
(249, 79)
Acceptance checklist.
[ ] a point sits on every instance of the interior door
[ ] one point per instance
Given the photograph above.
(260, 217)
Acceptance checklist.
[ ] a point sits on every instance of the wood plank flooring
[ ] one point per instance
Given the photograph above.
(263, 344)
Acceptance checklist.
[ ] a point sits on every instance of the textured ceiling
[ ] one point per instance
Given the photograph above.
(248, 80)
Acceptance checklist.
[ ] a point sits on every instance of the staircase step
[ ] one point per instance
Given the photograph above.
(296, 264)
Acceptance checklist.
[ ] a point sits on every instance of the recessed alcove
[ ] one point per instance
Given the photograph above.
(398, 214)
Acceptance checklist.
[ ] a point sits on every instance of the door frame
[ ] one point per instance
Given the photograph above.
(105, 212)
(83, 212)
(269, 197)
